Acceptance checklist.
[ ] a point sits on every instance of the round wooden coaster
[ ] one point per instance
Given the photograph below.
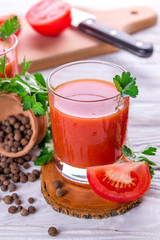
(79, 200)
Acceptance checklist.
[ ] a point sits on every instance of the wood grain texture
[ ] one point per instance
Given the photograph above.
(142, 222)
(79, 201)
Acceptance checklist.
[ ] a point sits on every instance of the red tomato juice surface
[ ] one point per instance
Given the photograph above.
(11, 67)
(87, 130)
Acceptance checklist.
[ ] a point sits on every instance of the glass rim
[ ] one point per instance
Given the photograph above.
(13, 46)
(57, 69)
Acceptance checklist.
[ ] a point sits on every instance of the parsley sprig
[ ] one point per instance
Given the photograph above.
(126, 85)
(9, 27)
(32, 89)
(139, 156)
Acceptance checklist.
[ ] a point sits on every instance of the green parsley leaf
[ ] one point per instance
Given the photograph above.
(37, 108)
(20, 90)
(44, 157)
(151, 170)
(142, 158)
(47, 138)
(138, 156)
(30, 102)
(126, 85)
(31, 81)
(27, 102)
(117, 84)
(43, 99)
(25, 66)
(40, 80)
(7, 86)
(128, 152)
(2, 64)
(9, 27)
(150, 151)
(46, 146)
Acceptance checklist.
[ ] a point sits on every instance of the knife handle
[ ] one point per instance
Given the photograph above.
(116, 38)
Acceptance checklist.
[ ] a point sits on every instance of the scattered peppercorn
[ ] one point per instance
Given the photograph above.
(27, 157)
(26, 165)
(34, 158)
(4, 188)
(20, 161)
(21, 174)
(6, 182)
(4, 164)
(23, 179)
(3, 177)
(19, 208)
(27, 174)
(57, 184)
(16, 178)
(31, 200)
(60, 192)
(24, 212)
(52, 231)
(15, 169)
(7, 170)
(31, 210)
(10, 173)
(17, 201)
(8, 199)
(12, 209)
(36, 173)
(31, 178)
(11, 187)
(14, 196)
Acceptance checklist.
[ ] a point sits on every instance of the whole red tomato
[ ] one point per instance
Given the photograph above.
(49, 17)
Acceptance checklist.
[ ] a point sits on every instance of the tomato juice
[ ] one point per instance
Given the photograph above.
(11, 66)
(86, 127)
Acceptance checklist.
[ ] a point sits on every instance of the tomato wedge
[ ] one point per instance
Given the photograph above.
(4, 18)
(120, 182)
(49, 17)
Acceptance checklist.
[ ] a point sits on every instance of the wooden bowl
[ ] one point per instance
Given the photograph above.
(10, 104)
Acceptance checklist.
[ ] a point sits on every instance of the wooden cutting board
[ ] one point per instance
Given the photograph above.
(80, 200)
(72, 45)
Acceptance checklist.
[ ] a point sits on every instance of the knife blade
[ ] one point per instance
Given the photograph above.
(85, 22)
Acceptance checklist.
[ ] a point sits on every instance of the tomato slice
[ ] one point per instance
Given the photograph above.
(50, 17)
(120, 182)
(4, 18)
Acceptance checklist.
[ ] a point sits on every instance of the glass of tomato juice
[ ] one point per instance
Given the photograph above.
(87, 128)
(10, 49)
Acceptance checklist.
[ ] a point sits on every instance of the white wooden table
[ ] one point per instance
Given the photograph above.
(142, 222)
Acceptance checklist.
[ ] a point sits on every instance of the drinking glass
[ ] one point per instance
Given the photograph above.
(87, 128)
(10, 49)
